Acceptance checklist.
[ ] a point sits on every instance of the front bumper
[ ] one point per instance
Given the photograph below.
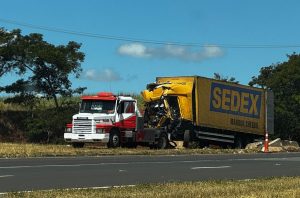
(72, 137)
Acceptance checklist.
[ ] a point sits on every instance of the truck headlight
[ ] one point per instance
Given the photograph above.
(68, 130)
(100, 130)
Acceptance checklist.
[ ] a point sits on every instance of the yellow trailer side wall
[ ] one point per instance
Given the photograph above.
(229, 106)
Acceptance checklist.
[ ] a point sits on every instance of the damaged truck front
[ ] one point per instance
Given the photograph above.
(202, 111)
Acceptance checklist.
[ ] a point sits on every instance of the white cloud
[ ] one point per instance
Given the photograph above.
(134, 49)
(171, 51)
(213, 51)
(104, 75)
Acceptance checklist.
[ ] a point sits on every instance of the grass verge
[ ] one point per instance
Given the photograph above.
(11, 150)
(262, 188)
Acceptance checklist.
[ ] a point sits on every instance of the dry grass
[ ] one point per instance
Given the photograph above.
(262, 188)
(10, 107)
(8, 150)
(41, 103)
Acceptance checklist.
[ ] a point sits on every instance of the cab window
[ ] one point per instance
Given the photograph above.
(129, 107)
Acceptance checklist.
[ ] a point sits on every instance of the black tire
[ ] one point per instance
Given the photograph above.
(78, 144)
(162, 142)
(114, 139)
(248, 140)
(186, 138)
(239, 142)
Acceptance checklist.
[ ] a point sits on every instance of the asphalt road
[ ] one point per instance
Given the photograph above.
(78, 172)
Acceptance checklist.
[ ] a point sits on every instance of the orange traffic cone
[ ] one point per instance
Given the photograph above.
(266, 145)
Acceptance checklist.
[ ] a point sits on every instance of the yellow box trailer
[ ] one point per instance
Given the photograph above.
(229, 106)
(210, 110)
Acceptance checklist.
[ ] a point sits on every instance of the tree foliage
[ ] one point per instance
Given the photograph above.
(12, 52)
(48, 125)
(218, 76)
(43, 68)
(284, 80)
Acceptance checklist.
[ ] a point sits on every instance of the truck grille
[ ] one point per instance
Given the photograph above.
(82, 126)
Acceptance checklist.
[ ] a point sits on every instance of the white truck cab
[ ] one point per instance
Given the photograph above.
(104, 118)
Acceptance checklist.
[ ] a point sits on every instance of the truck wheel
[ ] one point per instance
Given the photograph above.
(162, 142)
(114, 139)
(186, 138)
(77, 144)
(239, 142)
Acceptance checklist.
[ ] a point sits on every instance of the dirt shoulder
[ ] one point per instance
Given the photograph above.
(14, 150)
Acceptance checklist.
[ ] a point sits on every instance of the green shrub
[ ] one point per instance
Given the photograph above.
(48, 125)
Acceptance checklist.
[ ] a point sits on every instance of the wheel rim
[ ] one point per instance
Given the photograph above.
(115, 140)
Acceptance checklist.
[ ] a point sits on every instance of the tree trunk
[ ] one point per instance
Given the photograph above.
(56, 101)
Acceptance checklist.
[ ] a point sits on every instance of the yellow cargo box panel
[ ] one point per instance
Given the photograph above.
(229, 106)
(180, 80)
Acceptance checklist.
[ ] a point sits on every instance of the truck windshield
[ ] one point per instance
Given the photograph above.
(97, 106)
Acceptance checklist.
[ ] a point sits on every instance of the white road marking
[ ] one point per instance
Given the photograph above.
(149, 162)
(66, 189)
(98, 164)
(104, 187)
(104, 164)
(3, 176)
(209, 167)
(277, 164)
(60, 165)
(246, 180)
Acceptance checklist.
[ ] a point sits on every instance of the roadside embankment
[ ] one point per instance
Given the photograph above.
(276, 145)
(13, 150)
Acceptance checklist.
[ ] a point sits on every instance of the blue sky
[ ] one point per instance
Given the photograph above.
(123, 66)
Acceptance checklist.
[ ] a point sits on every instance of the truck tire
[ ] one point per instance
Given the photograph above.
(78, 144)
(186, 138)
(162, 142)
(239, 142)
(114, 139)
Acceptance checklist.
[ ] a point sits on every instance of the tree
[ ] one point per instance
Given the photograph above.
(284, 80)
(12, 52)
(218, 76)
(47, 67)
